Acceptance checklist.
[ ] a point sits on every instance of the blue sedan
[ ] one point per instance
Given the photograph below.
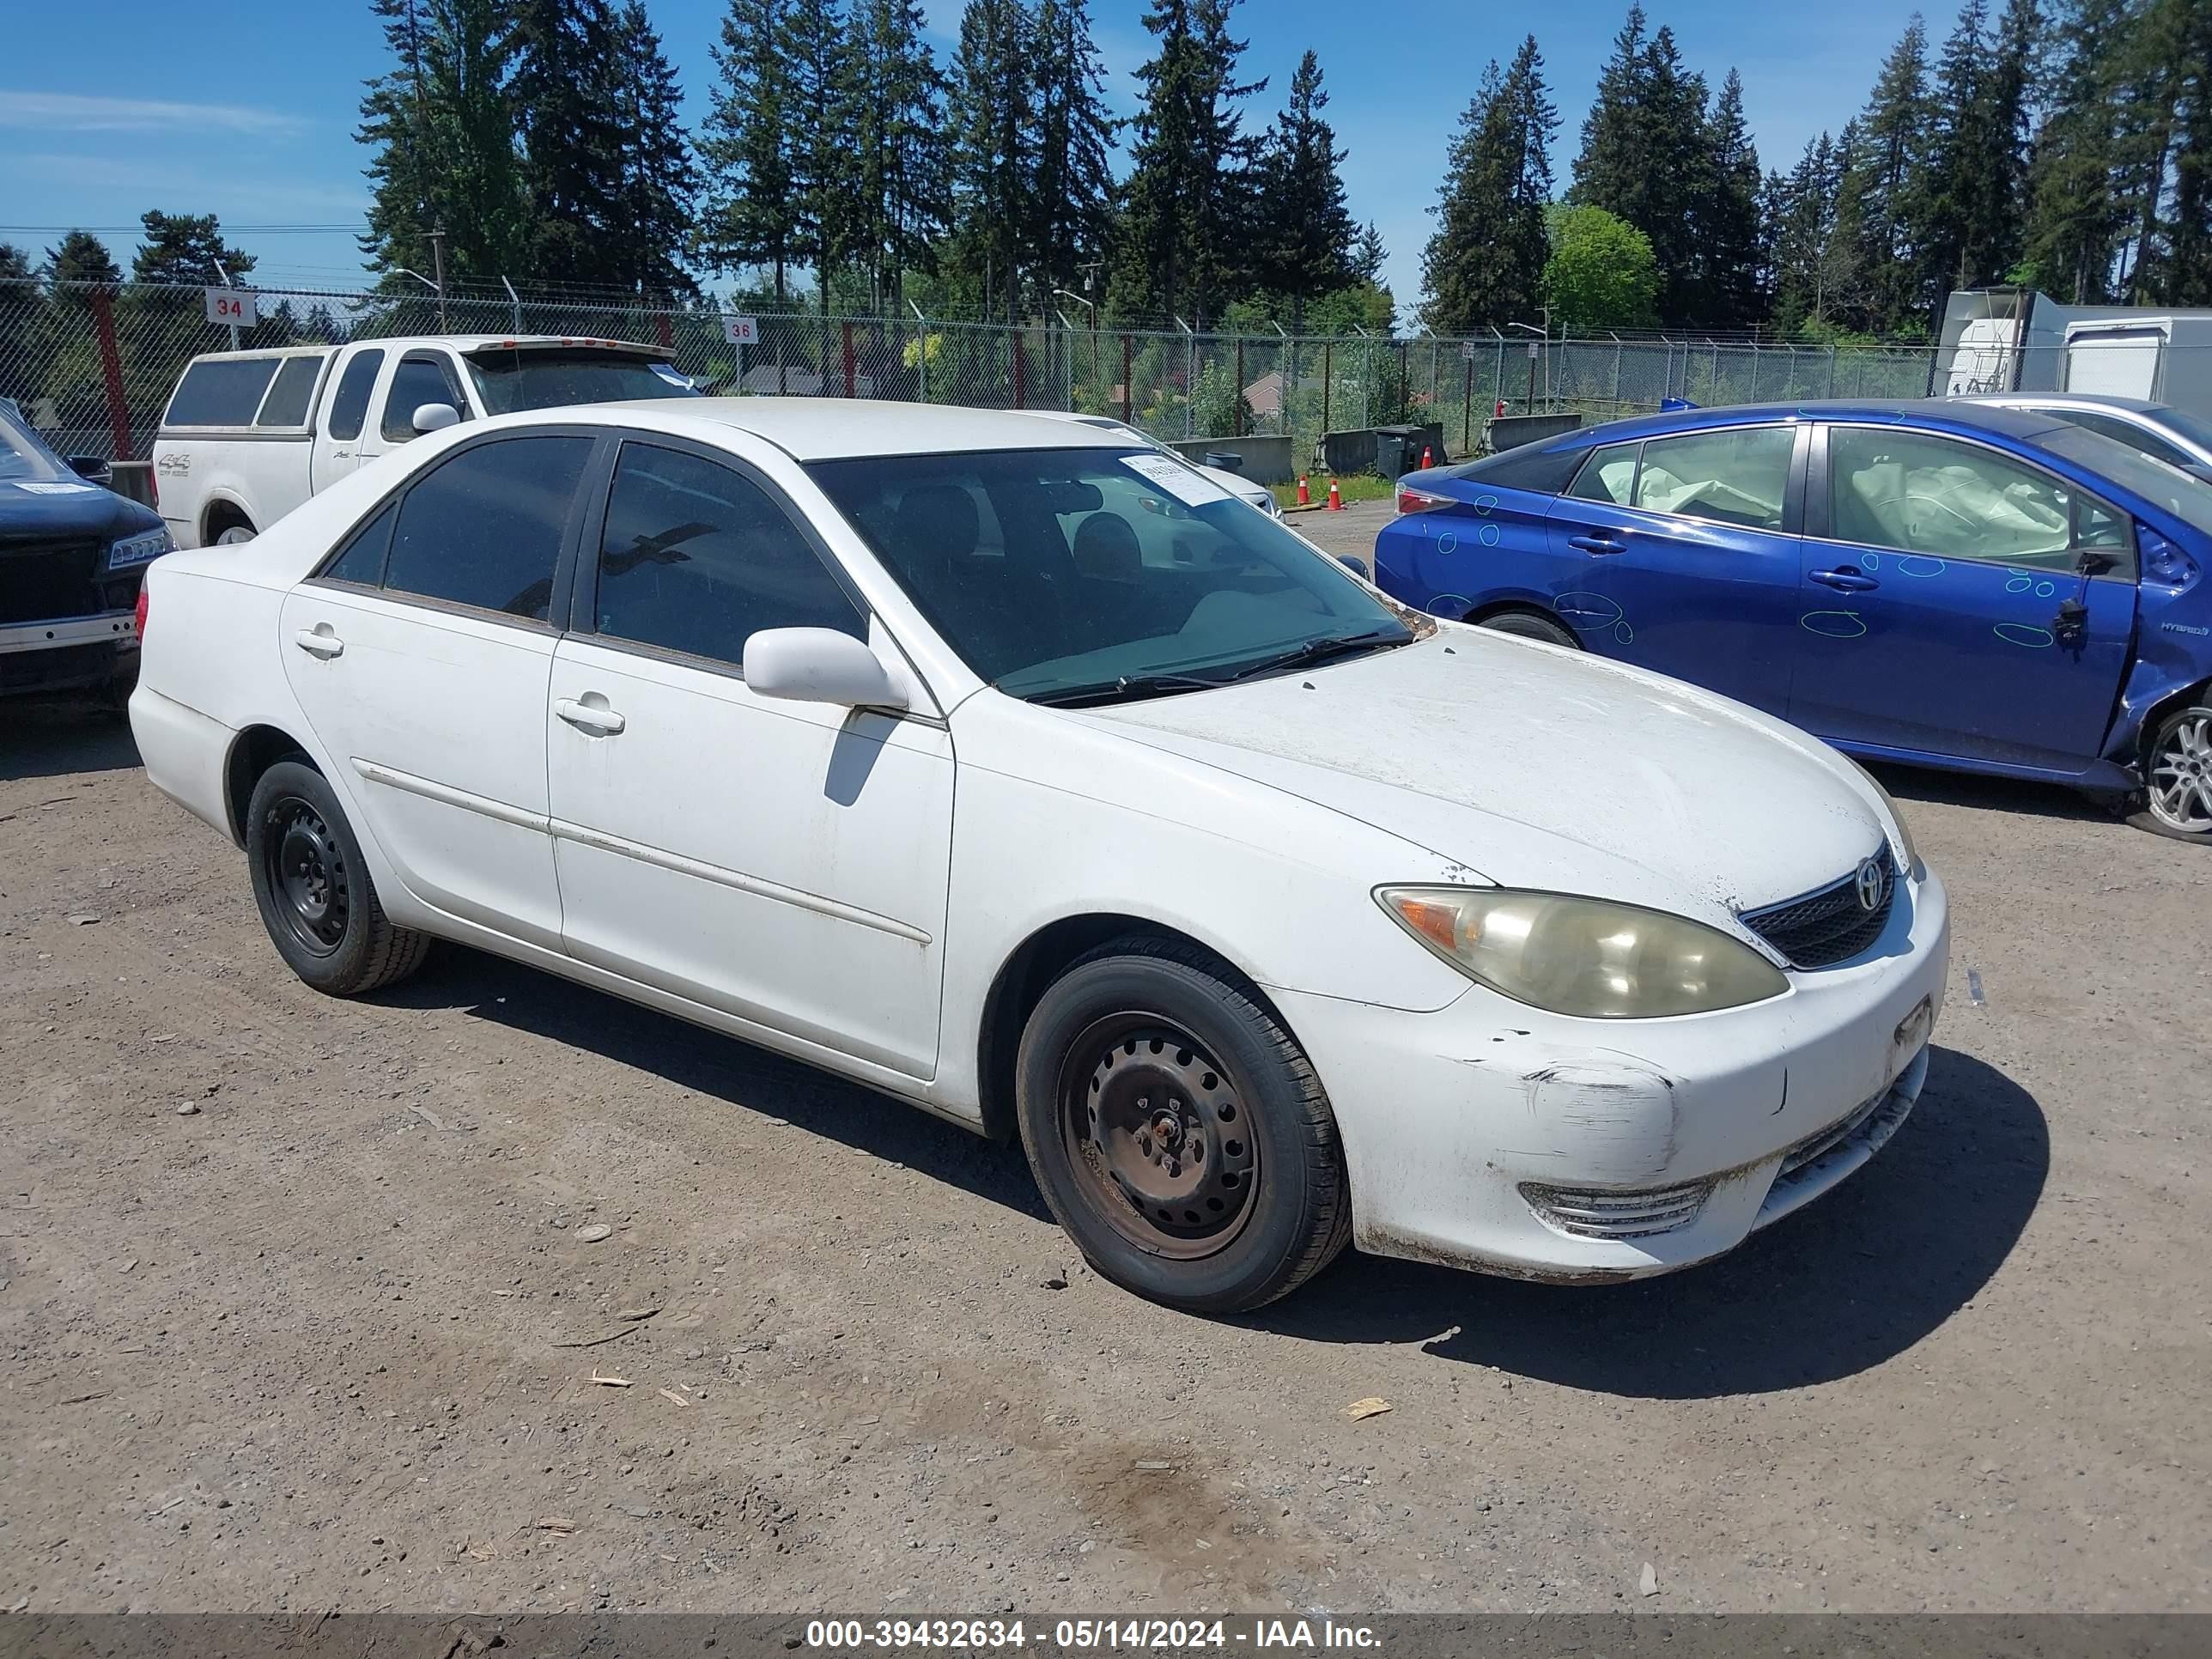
(1938, 584)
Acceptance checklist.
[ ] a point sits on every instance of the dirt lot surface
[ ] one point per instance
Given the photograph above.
(306, 1344)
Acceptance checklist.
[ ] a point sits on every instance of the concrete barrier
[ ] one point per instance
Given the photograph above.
(1267, 456)
(1355, 450)
(1511, 431)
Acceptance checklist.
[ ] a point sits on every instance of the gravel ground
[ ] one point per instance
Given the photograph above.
(290, 1291)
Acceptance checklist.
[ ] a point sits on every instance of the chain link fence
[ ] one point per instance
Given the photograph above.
(93, 367)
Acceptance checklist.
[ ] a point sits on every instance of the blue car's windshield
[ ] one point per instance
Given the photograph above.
(2188, 498)
(1068, 573)
(23, 458)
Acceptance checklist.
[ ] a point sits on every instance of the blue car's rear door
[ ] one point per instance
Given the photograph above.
(1946, 611)
(1682, 554)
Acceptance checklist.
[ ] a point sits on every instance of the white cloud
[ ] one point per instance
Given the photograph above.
(69, 112)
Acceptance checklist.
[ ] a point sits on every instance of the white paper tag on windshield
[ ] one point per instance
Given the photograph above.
(58, 488)
(1191, 488)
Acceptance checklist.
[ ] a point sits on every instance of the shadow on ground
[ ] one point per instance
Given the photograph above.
(1852, 1280)
(52, 740)
(723, 1067)
(1910, 784)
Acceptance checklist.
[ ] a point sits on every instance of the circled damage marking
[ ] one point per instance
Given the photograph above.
(1833, 624)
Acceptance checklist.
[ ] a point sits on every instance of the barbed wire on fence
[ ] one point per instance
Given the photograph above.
(93, 366)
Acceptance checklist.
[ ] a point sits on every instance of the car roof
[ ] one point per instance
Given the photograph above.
(833, 428)
(1951, 412)
(2067, 400)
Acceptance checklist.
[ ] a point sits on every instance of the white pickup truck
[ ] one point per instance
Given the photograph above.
(248, 435)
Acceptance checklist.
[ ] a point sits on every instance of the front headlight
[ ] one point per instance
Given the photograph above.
(1588, 958)
(1912, 863)
(138, 549)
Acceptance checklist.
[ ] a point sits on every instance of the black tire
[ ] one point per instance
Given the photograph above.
(2164, 753)
(1195, 1050)
(313, 888)
(1529, 625)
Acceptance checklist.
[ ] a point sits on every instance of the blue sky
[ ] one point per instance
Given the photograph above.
(248, 109)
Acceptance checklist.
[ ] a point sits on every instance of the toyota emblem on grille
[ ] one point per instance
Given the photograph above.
(1870, 883)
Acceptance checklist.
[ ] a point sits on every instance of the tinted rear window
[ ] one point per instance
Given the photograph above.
(286, 402)
(483, 529)
(222, 391)
(1543, 470)
(541, 379)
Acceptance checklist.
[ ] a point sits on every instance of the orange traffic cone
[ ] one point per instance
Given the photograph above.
(1305, 495)
(1427, 459)
(1335, 498)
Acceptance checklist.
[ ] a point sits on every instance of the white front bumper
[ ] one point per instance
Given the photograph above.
(1458, 1125)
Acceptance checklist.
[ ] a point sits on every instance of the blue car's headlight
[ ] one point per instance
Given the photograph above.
(138, 549)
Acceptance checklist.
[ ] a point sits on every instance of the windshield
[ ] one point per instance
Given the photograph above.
(2188, 498)
(507, 381)
(1063, 573)
(23, 458)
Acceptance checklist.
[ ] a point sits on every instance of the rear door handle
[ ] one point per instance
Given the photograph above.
(1597, 544)
(597, 721)
(1845, 580)
(320, 642)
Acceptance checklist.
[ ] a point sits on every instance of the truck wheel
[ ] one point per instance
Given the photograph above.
(1178, 1132)
(313, 888)
(2178, 777)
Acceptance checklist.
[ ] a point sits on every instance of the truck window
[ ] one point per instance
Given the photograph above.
(349, 404)
(286, 402)
(422, 378)
(543, 377)
(220, 391)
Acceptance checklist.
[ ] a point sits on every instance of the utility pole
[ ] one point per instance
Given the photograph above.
(227, 283)
(438, 267)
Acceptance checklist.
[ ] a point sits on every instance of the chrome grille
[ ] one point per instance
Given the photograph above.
(1829, 925)
(1592, 1212)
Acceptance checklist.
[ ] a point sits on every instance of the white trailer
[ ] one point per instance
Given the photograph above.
(2163, 356)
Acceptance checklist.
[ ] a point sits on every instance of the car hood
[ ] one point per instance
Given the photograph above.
(38, 510)
(1534, 766)
(1242, 487)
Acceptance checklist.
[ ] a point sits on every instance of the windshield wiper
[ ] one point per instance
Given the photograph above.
(1126, 688)
(1321, 650)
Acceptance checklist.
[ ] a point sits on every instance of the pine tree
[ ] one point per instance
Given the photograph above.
(1646, 157)
(2076, 219)
(895, 99)
(1483, 266)
(658, 182)
(1884, 197)
(825, 184)
(751, 216)
(1974, 195)
(1368, 253)
(1815, 260)
(1726, 227)
(1183, 245)
(1072, 206)
(82, 258)
(994, 154)
(1609, 171)
(1304, 230)
(188, 250)
(567, 95)
(2189, 270)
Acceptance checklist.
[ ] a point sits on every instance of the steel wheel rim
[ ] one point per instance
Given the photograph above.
(2179, 786)
(307, 874)
(1158, 1136)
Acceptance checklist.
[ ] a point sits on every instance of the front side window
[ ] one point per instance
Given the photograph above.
(350, 403)
(1915, 493)
(1609, 475)
(484, 528)
(1738, 476)
(698, 558)
(1066, 575)
(422, 378)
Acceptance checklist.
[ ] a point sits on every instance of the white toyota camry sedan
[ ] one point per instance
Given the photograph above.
(1007, 766)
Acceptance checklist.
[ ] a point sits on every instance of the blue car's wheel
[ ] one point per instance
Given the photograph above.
(2178, 777)
(1529, 625)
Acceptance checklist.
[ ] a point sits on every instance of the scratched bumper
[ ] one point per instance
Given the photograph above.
(1451, 1120)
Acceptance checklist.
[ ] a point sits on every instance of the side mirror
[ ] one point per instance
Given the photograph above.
(94, 467)
(819, 665)
(1354, 563)
(436, 417)
(1225, 460)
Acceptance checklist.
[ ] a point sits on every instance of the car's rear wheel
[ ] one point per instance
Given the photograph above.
(2178, 777)
(1178, 1132)
(313, 888)
(1529, 625)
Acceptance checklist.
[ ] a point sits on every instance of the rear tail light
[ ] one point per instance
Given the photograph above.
(1419, 501)
(139, 614)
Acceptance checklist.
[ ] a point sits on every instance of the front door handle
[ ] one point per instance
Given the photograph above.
(320, 642)
(1597, 545)
(593, 720)
(1845, 580)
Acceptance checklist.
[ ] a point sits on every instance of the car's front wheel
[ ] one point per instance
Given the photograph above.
(1178, 1132)
(2177, 776)
(313, 888)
